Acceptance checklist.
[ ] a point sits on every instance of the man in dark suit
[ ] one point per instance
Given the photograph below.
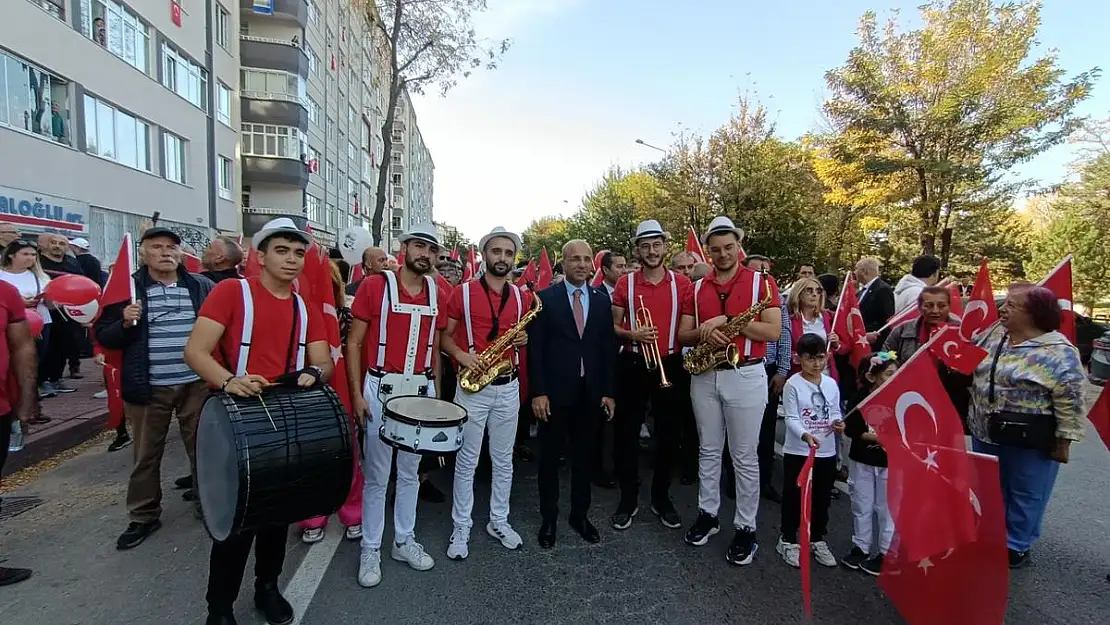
(876, 298)
(572, 351)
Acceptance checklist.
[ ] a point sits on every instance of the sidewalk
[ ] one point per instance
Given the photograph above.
(75, 418)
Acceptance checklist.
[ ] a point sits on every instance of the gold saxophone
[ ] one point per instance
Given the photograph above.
(489, 365)
(706, 356)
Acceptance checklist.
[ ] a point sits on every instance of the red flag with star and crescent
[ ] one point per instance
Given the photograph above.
(981, 312)
(848, 323)
(693, 246)
(805, 486)
(955, 352)
(928, 467)
(1099, 416)
(315, 286)
(528, 275)
(545, 275)
(1059, 282)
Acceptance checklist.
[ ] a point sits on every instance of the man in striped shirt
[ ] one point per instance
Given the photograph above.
(155, 382)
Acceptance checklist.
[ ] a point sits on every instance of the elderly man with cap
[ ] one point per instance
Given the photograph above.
(729, 399)
(155, 380)
(480, 312)
(402, 313)
(653, 296)
(295, 345)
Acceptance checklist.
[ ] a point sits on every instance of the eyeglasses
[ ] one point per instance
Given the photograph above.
(813, 291)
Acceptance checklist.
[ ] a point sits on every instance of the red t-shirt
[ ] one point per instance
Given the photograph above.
(273, 328)
(483, 306)
(744, 290)
(367, 307)
(11, 311)
(659, 301)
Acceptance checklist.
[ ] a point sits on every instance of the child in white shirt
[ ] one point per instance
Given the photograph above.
(811, 401)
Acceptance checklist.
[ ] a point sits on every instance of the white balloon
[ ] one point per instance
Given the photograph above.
(83, 314)
(352, 242)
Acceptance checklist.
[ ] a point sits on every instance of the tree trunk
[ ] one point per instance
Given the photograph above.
(928, 220)
(386, 172)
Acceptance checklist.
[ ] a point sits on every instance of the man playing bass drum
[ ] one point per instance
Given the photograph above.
(480, 313)
(729, 399)
(290, 338)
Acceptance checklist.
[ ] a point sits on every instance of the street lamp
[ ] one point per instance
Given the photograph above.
(648, 145)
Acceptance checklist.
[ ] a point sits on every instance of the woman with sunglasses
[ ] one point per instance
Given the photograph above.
(20, 267)
(808, 315)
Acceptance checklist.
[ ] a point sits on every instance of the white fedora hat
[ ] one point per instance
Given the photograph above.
(650, 228)
(499, 232)
(722, 224)
(281, 225)
(424, 232)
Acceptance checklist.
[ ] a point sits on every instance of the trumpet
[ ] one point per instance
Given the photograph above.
(653, 358)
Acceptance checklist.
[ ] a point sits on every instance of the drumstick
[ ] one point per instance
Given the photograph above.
(268, 415)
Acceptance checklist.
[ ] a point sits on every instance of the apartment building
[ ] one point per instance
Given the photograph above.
(112, 110)
(411, 172)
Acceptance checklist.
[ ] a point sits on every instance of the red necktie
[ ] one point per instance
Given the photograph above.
(580, 321)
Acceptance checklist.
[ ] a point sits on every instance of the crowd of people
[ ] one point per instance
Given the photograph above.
(708, 351)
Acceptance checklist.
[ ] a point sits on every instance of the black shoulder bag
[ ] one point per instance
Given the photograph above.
(1018, 429)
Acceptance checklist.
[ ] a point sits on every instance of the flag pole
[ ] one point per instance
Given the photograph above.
(1067, 259)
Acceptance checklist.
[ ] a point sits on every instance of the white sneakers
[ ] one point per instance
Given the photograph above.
(370, 568)
(458, 548)
(413, 553)
(791, 553)
(312, 535)
(354, 532)
(504, 533)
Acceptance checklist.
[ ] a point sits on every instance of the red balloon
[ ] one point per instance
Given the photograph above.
(36, 322)
(71, 290)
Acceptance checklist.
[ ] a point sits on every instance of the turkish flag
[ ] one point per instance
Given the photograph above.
(927, 486)
(955, 352)
(252, 268)
(599, 275)
(848, 323)
(981, 312)
(1059, 282)
(120, 286)
(956, 300)
(470, 268)
(805, 483)
(543, 279)
(528, 275)
(693, 246)
(192, 263)
(1100, 415)
(115, 395)
(455, 254)
(963, 585)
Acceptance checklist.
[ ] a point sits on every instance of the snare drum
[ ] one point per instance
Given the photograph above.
(282, 457)
(422, 425)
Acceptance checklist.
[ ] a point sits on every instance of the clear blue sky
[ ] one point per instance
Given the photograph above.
(585, 78)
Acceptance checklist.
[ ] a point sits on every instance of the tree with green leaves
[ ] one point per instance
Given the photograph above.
(546, 232)
(427, 42)
(614, 207)
(955, 103)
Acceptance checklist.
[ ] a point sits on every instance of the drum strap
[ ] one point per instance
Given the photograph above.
(416, 313)
(300, 321)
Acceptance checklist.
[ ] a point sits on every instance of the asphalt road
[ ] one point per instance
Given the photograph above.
(643, 575)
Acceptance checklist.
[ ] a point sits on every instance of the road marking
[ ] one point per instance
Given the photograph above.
(302, 587)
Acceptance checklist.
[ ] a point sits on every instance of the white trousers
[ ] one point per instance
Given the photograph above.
(375, 468)
(729, 404)
(868, 503)
(493, 409)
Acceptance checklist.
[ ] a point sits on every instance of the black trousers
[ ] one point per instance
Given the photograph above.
(824, 476)
(765, 450)
(63, 337)
(574, 426)
(688, 427)
(229, 560)
(636, 387)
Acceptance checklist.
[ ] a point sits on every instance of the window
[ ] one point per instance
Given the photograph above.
(312, 208)
(223, 104)
(329, 172)
(226, 176)
(396, 223)
(173, 157)
(115, 135)
(270, 140)
(185, 78)
(314, 155)
(313, 110)
(313, 60)
(53, 7)
(118, 30)
(352, 117)
(352, 153)
(397, 157)
(313, 12)
(331, 129)
(396, 178)
(352, 188)
(223, 20)
(272, 85)
(33, 100)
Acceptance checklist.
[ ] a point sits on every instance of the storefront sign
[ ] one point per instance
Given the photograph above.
(41, 212)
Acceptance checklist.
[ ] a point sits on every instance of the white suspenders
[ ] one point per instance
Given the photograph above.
(248, 330)
(466, 315)
(755, 300)
(631, 312)
(416, 312)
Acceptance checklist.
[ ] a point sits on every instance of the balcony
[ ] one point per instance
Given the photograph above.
(397, 168)
(255, 218)
(398, 190)
(397, 139)
(296, 10)
(274, 170)
(272, 108)
(267, 53)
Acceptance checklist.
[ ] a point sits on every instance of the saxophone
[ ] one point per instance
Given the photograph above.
(489, 364)
(706, 356)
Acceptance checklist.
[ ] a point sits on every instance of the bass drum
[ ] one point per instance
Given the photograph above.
(279, 458)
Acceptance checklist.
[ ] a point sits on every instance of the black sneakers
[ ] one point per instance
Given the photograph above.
(872, 565)
(743, 547)
(706, 526)
(220, 619)
(13, 576)
(273, 606)
(854, 559)
(136, 533)
(1019, 559)
(668, 516)
(622, 518)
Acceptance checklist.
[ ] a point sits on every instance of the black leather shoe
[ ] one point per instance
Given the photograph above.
(523, 454)
(136, 533)
(547, 535)
(605, 481)
(586, 530)
(272, 605)
(13, 576)
(220, 619)
(183, 483)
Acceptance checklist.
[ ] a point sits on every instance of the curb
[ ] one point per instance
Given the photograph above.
(56, 442)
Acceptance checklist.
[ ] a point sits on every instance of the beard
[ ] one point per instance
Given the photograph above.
(419, 266)
(649, 263)
(499, 270)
